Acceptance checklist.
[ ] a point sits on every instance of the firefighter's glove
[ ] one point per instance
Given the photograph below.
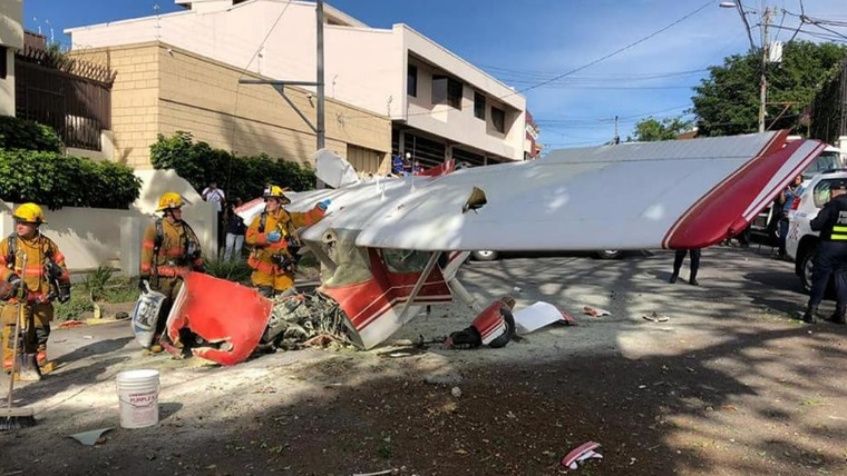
(64, 292)
(274, 236)
(324, 204)
(15, 284)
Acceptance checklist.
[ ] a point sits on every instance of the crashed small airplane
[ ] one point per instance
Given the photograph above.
(391, 245)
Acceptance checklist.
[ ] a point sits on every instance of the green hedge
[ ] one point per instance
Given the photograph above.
(22, 134)
(238, 176)
(51, 179)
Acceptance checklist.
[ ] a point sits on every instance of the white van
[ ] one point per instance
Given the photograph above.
(764, 224)
(801, 243)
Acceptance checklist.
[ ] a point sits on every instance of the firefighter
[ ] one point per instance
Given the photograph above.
(831, 256)
(169, 250)
(272, 236)
(33, 269)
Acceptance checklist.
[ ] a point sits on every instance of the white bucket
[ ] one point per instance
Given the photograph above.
(138, 393)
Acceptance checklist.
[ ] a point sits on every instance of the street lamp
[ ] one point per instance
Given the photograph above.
(763, 83)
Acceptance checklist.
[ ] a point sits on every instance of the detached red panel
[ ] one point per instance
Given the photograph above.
(222, 311)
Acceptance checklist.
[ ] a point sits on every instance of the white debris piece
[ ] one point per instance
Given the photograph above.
(535, 317)
(334, 170)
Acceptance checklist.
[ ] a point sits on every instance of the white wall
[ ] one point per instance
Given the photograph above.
(461, 125)
(12, 37)
(92, 237)
(11, 29)
(365, 67)
(7, 86)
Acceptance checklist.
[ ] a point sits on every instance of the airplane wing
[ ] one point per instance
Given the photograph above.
(641, 195)
(672, 194)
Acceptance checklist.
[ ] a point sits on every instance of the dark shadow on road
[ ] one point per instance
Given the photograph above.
(101, 347)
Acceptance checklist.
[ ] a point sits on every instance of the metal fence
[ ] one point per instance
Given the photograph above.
(76, 106)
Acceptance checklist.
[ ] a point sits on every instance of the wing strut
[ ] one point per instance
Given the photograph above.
(419, 284)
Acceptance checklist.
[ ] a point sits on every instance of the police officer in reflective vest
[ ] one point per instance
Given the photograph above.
(272, 236)
(33, 274)
(831, 256)
(169, 250)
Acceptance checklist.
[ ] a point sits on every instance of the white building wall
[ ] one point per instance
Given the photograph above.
(365, 67)
(7, 85)
(461, 125)
(11, 37)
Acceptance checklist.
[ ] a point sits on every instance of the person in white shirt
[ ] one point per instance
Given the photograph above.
(213, 194)
(216, 197)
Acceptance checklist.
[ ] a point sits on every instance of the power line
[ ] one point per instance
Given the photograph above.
(578, 86)
(587, 65)
(616, 52)
(505, 74)
(823, 36)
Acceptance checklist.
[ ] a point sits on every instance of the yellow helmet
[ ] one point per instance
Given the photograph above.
(169, 200)
(29, 213)
(275, 191)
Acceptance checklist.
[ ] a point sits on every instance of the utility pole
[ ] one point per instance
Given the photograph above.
(321, 129)
(617, 139)
(763, 83)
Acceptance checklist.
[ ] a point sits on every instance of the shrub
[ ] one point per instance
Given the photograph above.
(59, 181)
(23, 134)
(79, 304)
(238, 176)
(233, 270)
(99, 287)
(96, 282)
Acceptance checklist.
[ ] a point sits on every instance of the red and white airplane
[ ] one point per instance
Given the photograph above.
(388, 246)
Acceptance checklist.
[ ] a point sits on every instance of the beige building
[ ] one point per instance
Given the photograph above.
(11, 40)
(440, 105)
(161, 89)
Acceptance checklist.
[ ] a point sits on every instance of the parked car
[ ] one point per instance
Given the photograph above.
(491, 255)
(801, 243)
(764, 225)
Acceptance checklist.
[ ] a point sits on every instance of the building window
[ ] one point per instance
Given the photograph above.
(479, 105)
(4, 60)
(446, 90)
(412, 81)
(498, 118)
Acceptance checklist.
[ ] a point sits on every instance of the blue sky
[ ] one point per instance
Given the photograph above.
(525, 42)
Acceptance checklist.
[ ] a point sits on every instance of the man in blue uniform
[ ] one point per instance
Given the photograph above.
(831, 256)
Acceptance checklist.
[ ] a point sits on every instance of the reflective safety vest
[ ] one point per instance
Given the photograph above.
(832, 220)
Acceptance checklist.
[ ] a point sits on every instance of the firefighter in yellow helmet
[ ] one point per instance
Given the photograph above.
(272, 236)
(169, 250)
(33, 273)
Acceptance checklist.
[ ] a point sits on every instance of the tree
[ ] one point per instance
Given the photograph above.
(727, 102)
(651, 129)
